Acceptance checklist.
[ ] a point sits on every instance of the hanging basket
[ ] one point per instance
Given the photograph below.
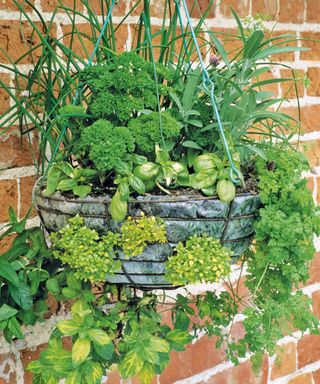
(183, 216)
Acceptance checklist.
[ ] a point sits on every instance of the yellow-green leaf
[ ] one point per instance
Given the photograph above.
(159, 345)
(131, 364)
(99, 336)
(80, 350)
(74, 377)
(147, 373)
(68, 327)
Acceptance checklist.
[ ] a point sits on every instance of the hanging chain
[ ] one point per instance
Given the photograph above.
(208, 85)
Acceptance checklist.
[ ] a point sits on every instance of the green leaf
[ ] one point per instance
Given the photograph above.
(81, 308)
(70, 293)
(53, 286)
(73, 282)
(66, 168)
(27, 317)
(68, 327)
(118, 208)
(190, 89)
(74, 377)
(6, 312)
(131, 365)
(8, 272)
(99, 337)
(21, 295)
(137, 184)
(81, 190)
(53, 178)
(252, 44)
(14, 252)
(80, 350)
(15, 328)
(67, 185)
(276, 50)
(124, 191)
(104, 351)
(147, 373)
(204, 179)
(191, 144)
(178, 339)
(159, 344)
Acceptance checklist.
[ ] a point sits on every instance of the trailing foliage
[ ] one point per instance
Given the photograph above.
(202, 259)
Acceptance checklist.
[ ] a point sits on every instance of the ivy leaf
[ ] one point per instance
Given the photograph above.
(68, 327)
(178, 339)
(80, 350)
(6, 312)
(98, 336)
(132, 364)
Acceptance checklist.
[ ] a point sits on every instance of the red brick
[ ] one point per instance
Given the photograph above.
(51, 5)
(285, 362)
(318, 190)
(312, 41)
(286, 42)
(4, 97)
(113, 377)
(316, 377)
(313, 10)
(265, 7)
(306, 378)
(7, 368)
(314, 75)
(196, 358)
(9, 193)
(308, 350)
(118, 10)
(294, 88)
(10, 5)
(312, 151)
(201, 7)
(5, 243)
(316, 303)
(17, 38)
(310, 183)
(220, 378)
(243, 373)
(291, 12)
(310, 118)
(273, 87)
(26, 188)
(240, 6)
(314, 269)
(16, 149)
(230, 40)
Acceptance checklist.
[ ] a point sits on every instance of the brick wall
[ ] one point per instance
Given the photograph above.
(298, 359)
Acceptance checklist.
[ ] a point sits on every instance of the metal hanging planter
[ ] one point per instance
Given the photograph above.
(183, 216)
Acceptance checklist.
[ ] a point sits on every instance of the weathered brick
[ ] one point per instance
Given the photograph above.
(118, 10)
(310, 40)
(10, 5)
(4, 97)
(265, 7)
(314, 76)
(220, 378)
(314, 269)
(312, 11)
(6, 243)
(308, 350)
(316, 303)
(312, 151)
(243, 373)
(198, 9)
(7, 369)
(51, 5)
(184, 364)
(17, 38)
(294, 88)
(273, 87)
(230, 40)
(318, 190)
(310, 118)
(285, 362)
(9, 193)
(113, 377)
(26, 188)
(305, 378)
(240, 6)
(316, 377)
(83, 46)
(28, 355)
(291, 12)
(16, 150)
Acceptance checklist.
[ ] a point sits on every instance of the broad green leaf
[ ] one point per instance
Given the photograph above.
(21, 295)
(80, 350)
(159, 344)
(98, 336)
(70, 293)
(27, 317)
(6, 312)
(53, 178)
(8, 272)
(118, 208)
(53, 286)
(15, 328)
(204, 179)
(137, 185)
(67, 184)
(66, 168)
(191, 144)
(58, 358)
(73, 282)
(104, 351)
(81, 308)
(131, 364)
(178, 339)
(68, 327)
(252, 44)
(81, 190)
(14, 252)
(124, 191)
